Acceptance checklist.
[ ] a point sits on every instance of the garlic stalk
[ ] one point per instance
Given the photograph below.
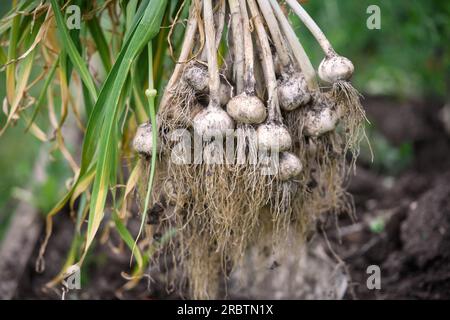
(297, 49)
(213, 120)
(246, 107)
(272, 135)
(333, 67)
(186, 49)
(238, 44)
(292, 87)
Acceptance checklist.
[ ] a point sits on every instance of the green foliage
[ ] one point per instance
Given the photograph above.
(57, 173)
(377, 225)
(408, 56)
(110, 114)
(18, 155)
(387, 158)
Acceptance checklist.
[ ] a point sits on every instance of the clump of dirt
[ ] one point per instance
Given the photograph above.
(425, 238)
(426, 231)
(412, 251)
(413, 246)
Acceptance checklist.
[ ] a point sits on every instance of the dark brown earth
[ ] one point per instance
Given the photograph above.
(413, 251)
(412, 246)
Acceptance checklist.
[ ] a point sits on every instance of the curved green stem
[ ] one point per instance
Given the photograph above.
(151, 94)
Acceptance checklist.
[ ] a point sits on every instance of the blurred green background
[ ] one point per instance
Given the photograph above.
(408, 58)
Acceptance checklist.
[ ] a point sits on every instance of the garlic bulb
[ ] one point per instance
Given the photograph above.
(224, 93)
(212, 121)
(335, 68)
(247, 109)
(289, 166)
(293, 92)
(143, 142)
(196, 75)
(274, 137)
(322, 117)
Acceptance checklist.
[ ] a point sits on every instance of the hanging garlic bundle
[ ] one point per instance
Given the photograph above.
(240, 152)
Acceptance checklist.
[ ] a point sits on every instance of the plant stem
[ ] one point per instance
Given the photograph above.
(186, 48)
(151, 94)
(214, 80)
(238, 44)
(275, 32)
(297, 48)
(313, 27)
(274, 113)
(220, 15)
(249, 76)
(220, 19)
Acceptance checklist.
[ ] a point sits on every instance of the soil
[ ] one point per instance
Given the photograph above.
(413, 250)
(411, 244)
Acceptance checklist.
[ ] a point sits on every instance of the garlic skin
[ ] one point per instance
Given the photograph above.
(142, 141)
(212, 121)
(196, 75)
(274, 137)
(247, 109)
(335, 68)
(293, 91)
(195, 110)
(277, 64)
(290, 166)
(187, 118)
(224, 93)
(321, 118)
